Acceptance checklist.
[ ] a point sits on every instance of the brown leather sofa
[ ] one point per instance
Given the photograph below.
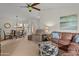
(73, 50)
(65, 38)
(66, 44)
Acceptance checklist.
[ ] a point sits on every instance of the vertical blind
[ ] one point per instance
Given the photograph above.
(68, 22)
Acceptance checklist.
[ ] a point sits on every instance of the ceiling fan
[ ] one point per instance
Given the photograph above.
(31, 6)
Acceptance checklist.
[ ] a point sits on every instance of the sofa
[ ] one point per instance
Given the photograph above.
(73, 50)
(66, 42)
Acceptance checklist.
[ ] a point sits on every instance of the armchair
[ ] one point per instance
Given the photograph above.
(7, 35)
(37, 36)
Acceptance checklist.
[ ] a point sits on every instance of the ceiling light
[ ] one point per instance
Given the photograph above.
(49, 24)
(30, 9)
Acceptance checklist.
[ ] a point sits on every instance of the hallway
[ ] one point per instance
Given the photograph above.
(19, 47)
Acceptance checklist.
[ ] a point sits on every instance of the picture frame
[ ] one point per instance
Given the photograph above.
(7, 25)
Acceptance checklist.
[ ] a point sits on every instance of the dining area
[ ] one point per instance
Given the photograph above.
(13, 34)
(10, 33)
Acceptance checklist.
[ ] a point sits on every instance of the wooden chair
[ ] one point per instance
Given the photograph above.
(7, 36)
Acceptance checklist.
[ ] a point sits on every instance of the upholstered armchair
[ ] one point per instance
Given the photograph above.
(37, 36)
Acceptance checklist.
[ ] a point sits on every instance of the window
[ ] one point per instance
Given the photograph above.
(68, 22)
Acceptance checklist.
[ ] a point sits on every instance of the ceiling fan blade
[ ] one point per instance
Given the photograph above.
(34, 4)
(27, 4)
(22, 6)
(36, 8)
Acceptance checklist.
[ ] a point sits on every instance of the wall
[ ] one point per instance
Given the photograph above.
(13, 20)
(52, 16)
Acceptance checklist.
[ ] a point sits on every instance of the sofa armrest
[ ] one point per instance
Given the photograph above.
(64, 42)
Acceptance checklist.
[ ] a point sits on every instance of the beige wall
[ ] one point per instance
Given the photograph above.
(52, 16)
(13, 20)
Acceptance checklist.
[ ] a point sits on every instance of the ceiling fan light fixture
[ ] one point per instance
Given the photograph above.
(30, 9)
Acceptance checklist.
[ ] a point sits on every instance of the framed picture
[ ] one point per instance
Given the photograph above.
(7, 25)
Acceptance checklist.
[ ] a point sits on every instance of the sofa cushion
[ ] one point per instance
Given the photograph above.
(66, 36)
(74, 47)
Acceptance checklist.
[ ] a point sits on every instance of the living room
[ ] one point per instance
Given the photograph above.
(53, 26)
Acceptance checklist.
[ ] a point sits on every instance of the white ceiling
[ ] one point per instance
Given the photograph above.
(51, 6)
(13, 9)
